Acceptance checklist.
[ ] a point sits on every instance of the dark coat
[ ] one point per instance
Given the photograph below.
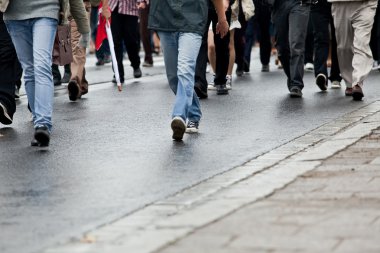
(178, 16)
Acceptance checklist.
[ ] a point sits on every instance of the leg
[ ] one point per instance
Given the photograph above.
(76, 87)
(298, 21)
(117, 30)
(131, 39)
(344, 37)
(335, 70)
(44, 30)
(265, 43)
(145, 36)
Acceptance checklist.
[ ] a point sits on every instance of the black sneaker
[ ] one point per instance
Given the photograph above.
(42, 136)
(295, 92)
(179, 127)
(192, 127)
(200, 93)
(221, 89)
(5, 118)
(321, 81)
(137, 73)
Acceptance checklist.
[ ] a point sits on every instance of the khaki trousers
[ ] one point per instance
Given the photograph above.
(78, 71)
(353, 24)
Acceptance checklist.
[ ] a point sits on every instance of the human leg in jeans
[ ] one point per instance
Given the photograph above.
(180, 54)
(33, 40)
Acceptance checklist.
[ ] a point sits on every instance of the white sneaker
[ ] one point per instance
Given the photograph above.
(335, 85)
(229, 82)
(211, 85)
(309, 67)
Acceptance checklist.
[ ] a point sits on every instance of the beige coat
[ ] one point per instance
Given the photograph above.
(248, 9)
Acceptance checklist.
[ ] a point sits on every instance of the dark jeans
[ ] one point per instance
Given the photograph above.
(125, 29)
(291, 20)
(221, 51)
(261, 20)
(321, 19)
(104, 50)
(145, 34)
(10, 69)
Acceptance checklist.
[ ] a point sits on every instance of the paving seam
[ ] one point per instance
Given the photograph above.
(164, 222)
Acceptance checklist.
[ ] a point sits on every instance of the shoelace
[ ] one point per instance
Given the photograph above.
(192, 124)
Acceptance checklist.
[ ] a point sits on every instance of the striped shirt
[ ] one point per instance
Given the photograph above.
(127, 7)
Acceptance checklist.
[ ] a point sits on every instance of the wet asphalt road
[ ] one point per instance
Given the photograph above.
(111, 153)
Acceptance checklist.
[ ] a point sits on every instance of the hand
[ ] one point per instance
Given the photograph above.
(106, 13)
(222, 28)
(84, 40)
(141, 5)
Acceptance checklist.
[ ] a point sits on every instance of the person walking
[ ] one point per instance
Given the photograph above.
(32, 26)
(180, 26)
(125, 29)
(353, 20)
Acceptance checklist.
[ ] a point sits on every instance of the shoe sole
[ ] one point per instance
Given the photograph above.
(4, 117)
(192, 130)
(178, 128)
(321, 82)
(73, 91)
(295, 94)
(42, 138)
(335, 87)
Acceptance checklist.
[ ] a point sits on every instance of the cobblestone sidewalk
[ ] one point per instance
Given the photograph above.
(334, 208)
(317, 193)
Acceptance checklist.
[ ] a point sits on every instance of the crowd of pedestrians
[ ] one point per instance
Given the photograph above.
(311, 35)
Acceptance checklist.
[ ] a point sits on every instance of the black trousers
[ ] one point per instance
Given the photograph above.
(10, 69)
(125, 29)
(321, 20)
(261, 20)
(375, 36)
(290, 43)
(221, 51)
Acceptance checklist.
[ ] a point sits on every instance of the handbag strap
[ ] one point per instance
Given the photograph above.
(61, 14)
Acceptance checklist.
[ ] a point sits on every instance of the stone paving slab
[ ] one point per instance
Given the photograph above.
(299, 197)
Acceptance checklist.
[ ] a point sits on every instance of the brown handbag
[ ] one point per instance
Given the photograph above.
(62, 52)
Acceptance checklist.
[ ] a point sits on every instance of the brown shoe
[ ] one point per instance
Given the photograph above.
(348, 92)
(74, 90)
(357, 93)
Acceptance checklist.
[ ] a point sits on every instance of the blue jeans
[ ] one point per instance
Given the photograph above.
(180, 54)
(33, 40)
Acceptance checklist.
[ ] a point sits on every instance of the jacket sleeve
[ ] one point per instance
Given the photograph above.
(79, 14)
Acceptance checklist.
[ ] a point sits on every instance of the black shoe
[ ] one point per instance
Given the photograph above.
(74, 90)
(137, 73)
(295, 92)
(17, 93)
(34, 143)
(321, 81)
(221, 89)
(357, 93)
(42, 136)
(239, 71)
(5, 118)
(200, 93)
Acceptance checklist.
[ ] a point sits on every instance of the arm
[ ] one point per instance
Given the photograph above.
(222, 26)
(141, 4)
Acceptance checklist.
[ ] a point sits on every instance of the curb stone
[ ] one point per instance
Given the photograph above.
(164, 222)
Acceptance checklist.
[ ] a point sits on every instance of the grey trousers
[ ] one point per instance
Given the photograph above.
(353, 24)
